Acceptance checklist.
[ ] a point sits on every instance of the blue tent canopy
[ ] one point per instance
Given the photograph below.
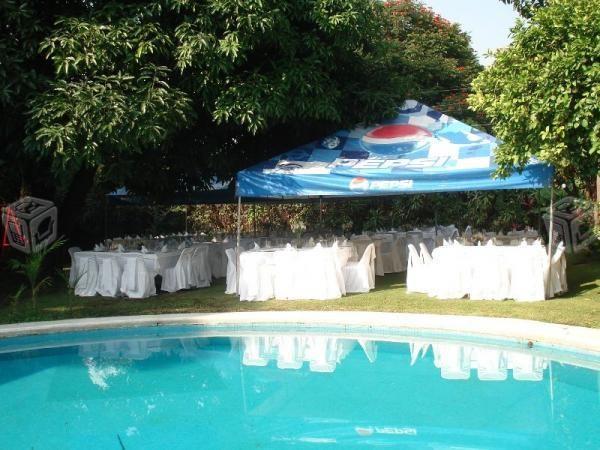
(420, 150)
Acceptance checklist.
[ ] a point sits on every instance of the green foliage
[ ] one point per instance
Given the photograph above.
(542, 93)
(32, 268)
(434, 56)
(131, 78)
(526, 7)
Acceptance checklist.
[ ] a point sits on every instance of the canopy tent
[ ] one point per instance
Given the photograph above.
(420, 150)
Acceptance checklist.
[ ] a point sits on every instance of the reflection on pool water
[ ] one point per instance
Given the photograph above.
(300, 391)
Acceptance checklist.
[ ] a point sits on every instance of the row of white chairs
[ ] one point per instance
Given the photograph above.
(103, 274)
(488, 280)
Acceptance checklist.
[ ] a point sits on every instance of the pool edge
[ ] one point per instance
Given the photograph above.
(564, 336)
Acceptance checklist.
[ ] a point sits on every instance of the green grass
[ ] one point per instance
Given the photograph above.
(581, 306)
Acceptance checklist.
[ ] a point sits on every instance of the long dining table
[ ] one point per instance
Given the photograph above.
(294, 274)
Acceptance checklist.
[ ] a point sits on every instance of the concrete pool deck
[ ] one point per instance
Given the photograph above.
(553, 335)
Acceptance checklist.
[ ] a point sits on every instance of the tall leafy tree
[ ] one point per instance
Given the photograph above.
(163, 94)
(526, 7)
(543, 92)
(435, 57)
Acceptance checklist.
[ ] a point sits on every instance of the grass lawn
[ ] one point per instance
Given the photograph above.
(581, 306)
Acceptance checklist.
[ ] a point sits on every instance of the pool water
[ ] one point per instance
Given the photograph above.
(113, 390)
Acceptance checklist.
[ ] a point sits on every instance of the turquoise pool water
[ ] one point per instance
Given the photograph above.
(196, 388)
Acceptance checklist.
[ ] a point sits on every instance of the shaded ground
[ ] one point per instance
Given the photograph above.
(581, 306)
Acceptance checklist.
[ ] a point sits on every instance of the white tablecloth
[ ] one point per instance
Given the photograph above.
(294, 274)
(490, 272)
(156, 263)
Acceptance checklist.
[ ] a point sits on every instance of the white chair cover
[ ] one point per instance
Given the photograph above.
(231, 280)
(416, 275)
(202, 274)
(137, 281)
(182, 275)
(109, 277)
(558, 272)
(73, 271)
(87, 277)
(360, 276)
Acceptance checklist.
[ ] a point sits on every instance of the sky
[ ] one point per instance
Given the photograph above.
(487, 21)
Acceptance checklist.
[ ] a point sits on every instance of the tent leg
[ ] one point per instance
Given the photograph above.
(237, 245)
(254, 218)
(320, 214)
(550, 239)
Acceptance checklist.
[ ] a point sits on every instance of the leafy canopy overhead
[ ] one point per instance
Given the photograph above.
(526, 7)
(141, 77)
(542, 93)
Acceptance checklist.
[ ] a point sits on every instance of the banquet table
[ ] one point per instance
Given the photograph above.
(294, 274)
(156, 262)
(490, 272)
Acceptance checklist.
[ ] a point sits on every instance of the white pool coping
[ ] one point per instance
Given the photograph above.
(563, 336)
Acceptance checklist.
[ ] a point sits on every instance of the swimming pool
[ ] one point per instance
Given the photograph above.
(180, 387)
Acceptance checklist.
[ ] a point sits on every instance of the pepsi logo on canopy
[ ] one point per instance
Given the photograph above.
(397, 138)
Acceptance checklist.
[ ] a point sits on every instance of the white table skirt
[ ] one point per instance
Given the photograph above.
(156, 263)
(293, 274)
(490, 272)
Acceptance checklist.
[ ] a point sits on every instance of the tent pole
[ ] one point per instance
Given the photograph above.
(186, 218)
(550, 239)
(321, 214)
(254, 218)
(237, 245)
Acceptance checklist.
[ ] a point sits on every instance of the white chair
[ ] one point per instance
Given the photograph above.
(416, 272)
(202, 274)
(73, 270)
(386, 254)
(558, 272)
(109, 276)
(231, 280)
(182, 275)
(360, 276)
(137, 281)
(87, 277)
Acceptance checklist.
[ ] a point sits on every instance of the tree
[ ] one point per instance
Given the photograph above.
(526, 7)
(434, 57)
(165, 94)
(542, 93)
